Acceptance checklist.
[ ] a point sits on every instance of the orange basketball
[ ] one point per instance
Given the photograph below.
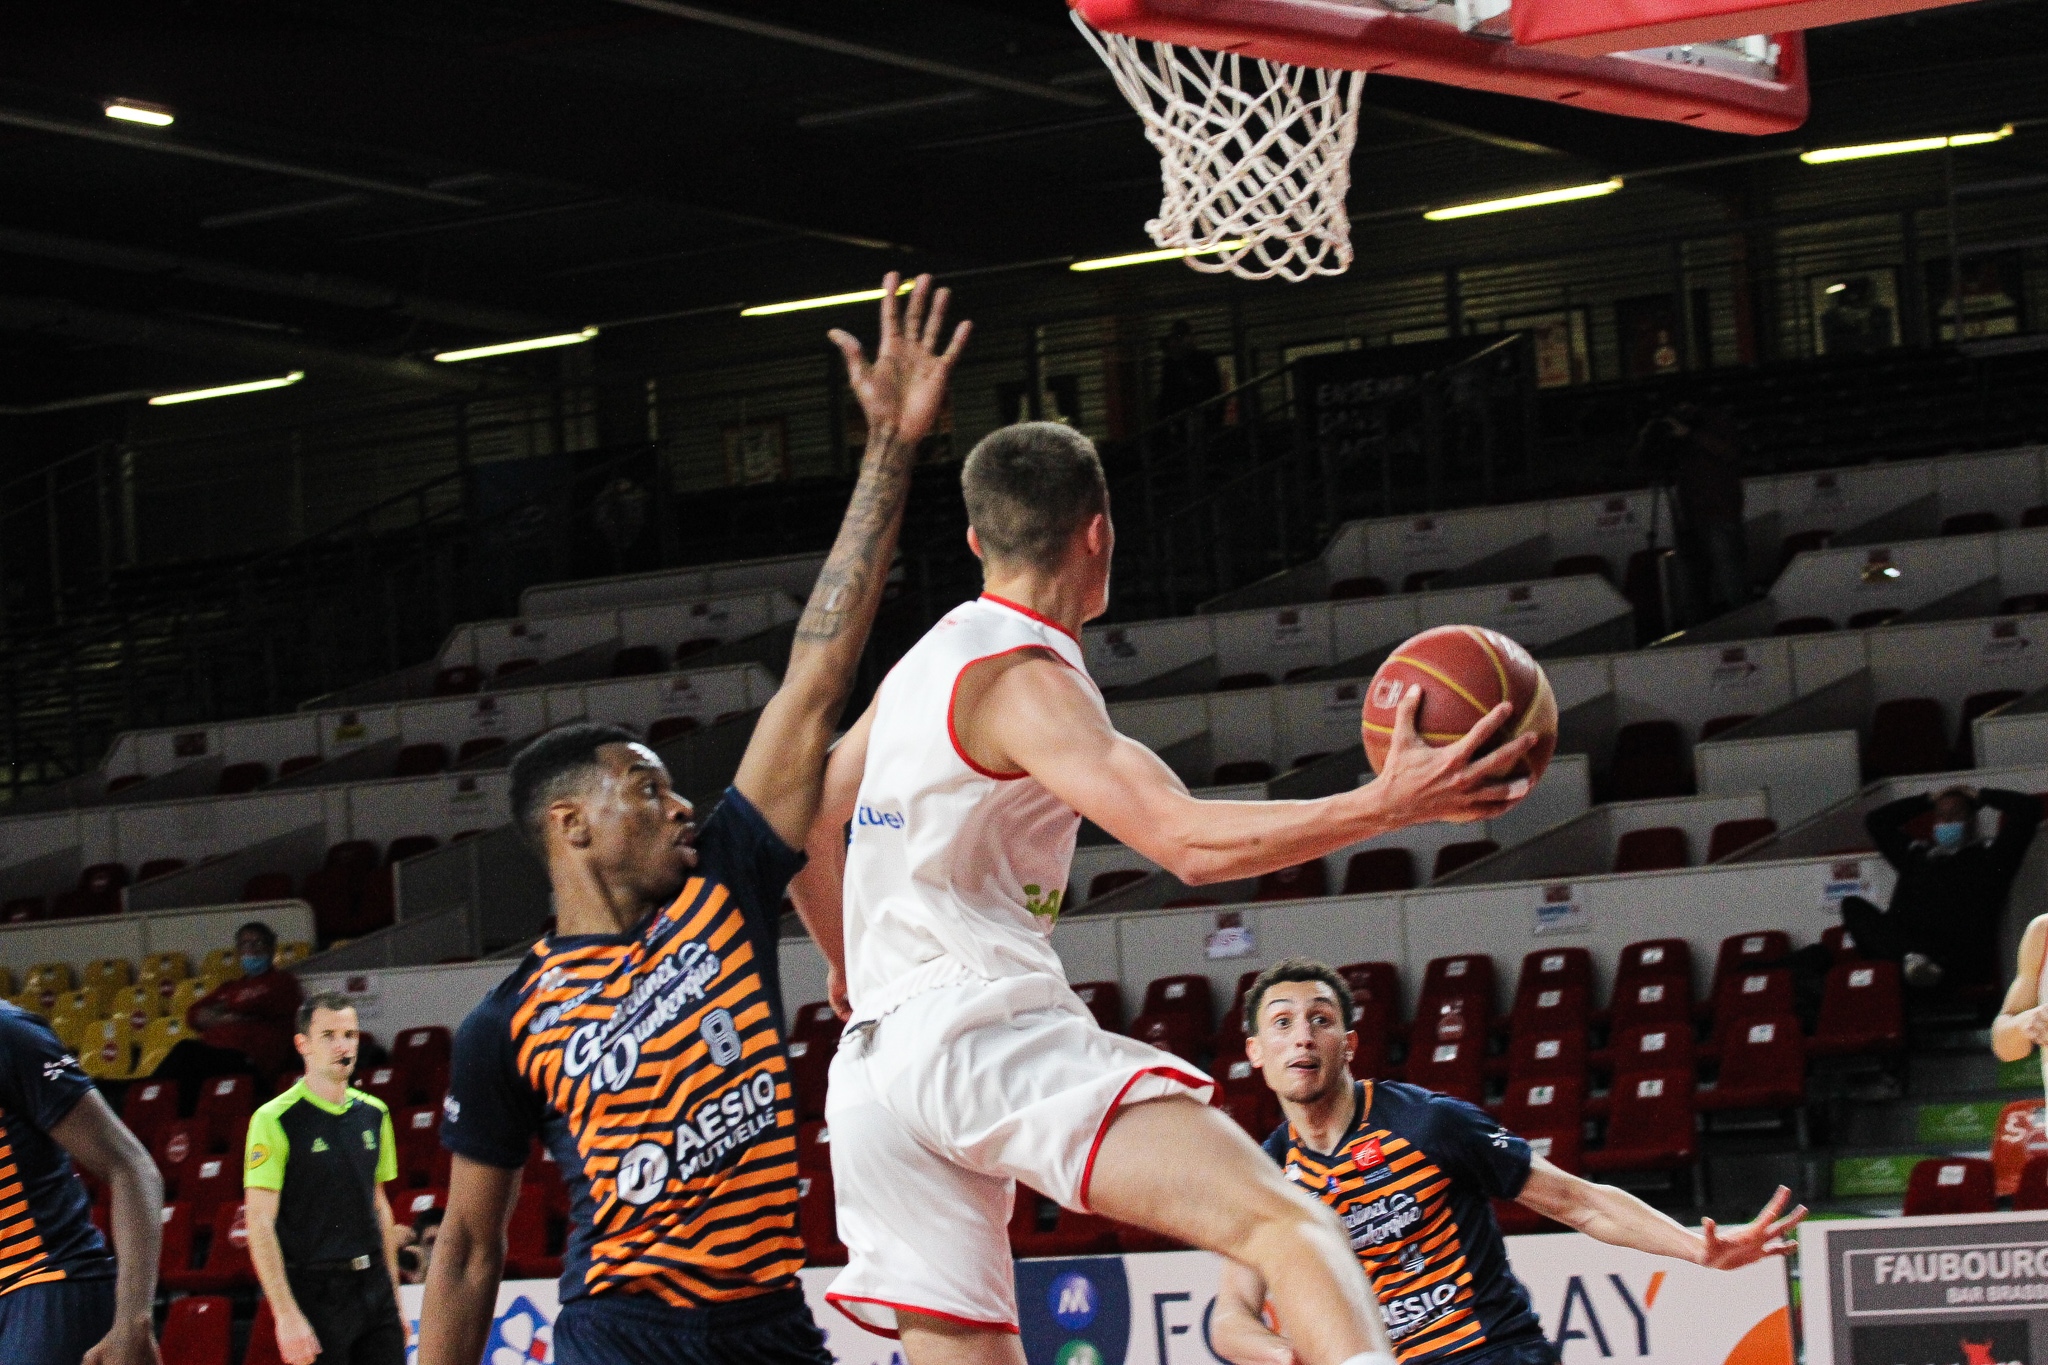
(1464, 672)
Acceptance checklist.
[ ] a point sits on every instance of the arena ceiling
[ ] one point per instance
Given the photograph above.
(368, 182)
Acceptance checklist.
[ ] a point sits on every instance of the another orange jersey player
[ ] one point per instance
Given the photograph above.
(1409, 1174)
(642, 1041)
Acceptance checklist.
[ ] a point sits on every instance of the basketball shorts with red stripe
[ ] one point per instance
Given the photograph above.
(939, 1109)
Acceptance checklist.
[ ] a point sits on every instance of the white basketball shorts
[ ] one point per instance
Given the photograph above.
(939, 1109)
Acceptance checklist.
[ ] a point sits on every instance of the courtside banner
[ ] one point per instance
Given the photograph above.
(1600, 1304)
(1959, 1289)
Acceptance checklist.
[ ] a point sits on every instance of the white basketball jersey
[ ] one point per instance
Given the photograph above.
(954, 873)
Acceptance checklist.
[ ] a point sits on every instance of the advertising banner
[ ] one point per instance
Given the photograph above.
(1964, 1289)
(1600, 1305)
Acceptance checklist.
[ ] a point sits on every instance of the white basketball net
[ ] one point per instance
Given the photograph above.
(1255, 156)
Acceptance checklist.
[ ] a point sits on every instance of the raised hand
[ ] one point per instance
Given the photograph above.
(903, 387)
(1761, 1236)
(1452, 783)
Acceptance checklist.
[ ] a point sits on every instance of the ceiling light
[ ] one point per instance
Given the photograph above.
(135, 111)
(1826, 155)
(1172, 253)
(514, 347)
(1836, 288)
(1526, 201)
(762, 310)
(164, 400)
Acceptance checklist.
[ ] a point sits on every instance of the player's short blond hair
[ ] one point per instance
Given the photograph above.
(1028, 488)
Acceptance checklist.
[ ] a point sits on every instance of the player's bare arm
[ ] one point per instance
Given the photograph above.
(102, 1145)
(1031, 713)
(1238, 1329)
(469, 1259)
(1620, 1219)
(2022, 1023)
(819, 890)
(901, 391)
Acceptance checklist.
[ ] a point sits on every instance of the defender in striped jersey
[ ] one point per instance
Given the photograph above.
(642, 1041)
(1409, 1173)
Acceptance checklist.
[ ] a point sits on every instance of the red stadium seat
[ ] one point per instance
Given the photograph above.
(1242, 773)
(408, 1205)
(148, 1108)
(638, 660)
(2031, 1195)
(420, 760)
(1652, 998)
(384, 1083)
(1420, 580)
(1300, 882)
(1187, 994)
(421, 1056)
(1563, 1148)
(237, 778)
(1177, 1033)
(409, 846)
(1470, 975)
(510, 668)
(226, 1265)
(1102, 883)
(1536, 1054)
(1749, 951)
(297, 764)
(1451, 1068)
(1544, 1103)
(1862, 1010)
(1658, 849)
(1574, 566)
(180, 1145)
(1452, 857)
(817, 1020)
(418, 1130)
(670, 727)
(1971, 524)
(1243, 682)
(1763, 1066)
(1650, 761)
(526, 1239)
(1721, 725)
(1379, 869)
(23, 910)
(1551, 1010)
(810, 1066)
(1732, 836)
(814, 1146)
(1547, 967)
(1907, 735)
(263, 1337)
(196, 1331)
(212, 1180)
(175, 1257)
(1363, 586)
(696, 645)
(268, 886)
(1072, 1234)
(1751, 995)
(1835, 938)
(1650, 1125)
(1105, 1000)
(225, 1103)
(1664, 1046)
(817, 1219)
(1950, 1184)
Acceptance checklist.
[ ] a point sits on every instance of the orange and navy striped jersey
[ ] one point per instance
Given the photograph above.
(1410, 1182)
(651, 1064)
(46, 1230)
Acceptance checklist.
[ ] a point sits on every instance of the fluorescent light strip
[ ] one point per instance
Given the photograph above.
(763, 310)
(134, 111)
(164, 400)
(1525, 201)
(1827, 155)
(514, 347)
(1172, 253)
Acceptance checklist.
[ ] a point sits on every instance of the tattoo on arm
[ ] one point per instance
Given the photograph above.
(866, 540)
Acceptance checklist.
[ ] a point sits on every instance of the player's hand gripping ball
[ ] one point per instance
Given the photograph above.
(1464, 672)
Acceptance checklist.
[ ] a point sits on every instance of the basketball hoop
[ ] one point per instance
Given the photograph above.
(1254, 155)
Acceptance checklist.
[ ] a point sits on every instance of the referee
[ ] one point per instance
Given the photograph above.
(319, 1226)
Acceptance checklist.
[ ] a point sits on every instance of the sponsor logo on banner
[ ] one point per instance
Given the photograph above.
(2003, 640)
(1521, 601)
(1289, 629)
(485, 718)
(1959, 1289)
(1559, 911)
(349, 728)
(1343, 697)
(1614, 515)
(1972, 1343)
(1422, 536)
(1845, 879)
(1734, 670)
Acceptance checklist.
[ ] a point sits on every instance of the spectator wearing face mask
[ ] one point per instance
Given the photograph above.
(244, 1025)
(1942, 925)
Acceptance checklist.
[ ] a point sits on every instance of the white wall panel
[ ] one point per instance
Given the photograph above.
(1802, 774)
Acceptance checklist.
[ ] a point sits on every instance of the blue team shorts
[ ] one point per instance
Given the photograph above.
(639, 1329)
(55, 1324)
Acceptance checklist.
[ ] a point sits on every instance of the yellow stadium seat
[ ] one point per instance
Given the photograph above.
(158, 1038)
(184, 996)
(54, 976)
(222, 962)
(138, 1004)
(292, 953)
(109, 974)
(160, 967)
(108, 1051)
(40, 1000)
(89, 1003)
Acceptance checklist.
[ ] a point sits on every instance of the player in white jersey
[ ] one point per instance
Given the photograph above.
(968, 1064)
(2022, 1022)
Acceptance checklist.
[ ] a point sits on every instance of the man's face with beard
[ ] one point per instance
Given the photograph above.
(1304, 1044)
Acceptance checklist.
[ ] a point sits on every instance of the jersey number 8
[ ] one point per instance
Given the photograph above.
(721, 1037)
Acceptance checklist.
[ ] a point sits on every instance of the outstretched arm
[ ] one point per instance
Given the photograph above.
(901, 392)
(2022, 1022)
(1032, 713)
(819, 891)
(1620, 1219)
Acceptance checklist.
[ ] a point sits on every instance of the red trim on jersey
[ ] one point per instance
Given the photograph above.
(840, 1301)
(953, 698)
(1022, 610)
(1102, 1131)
